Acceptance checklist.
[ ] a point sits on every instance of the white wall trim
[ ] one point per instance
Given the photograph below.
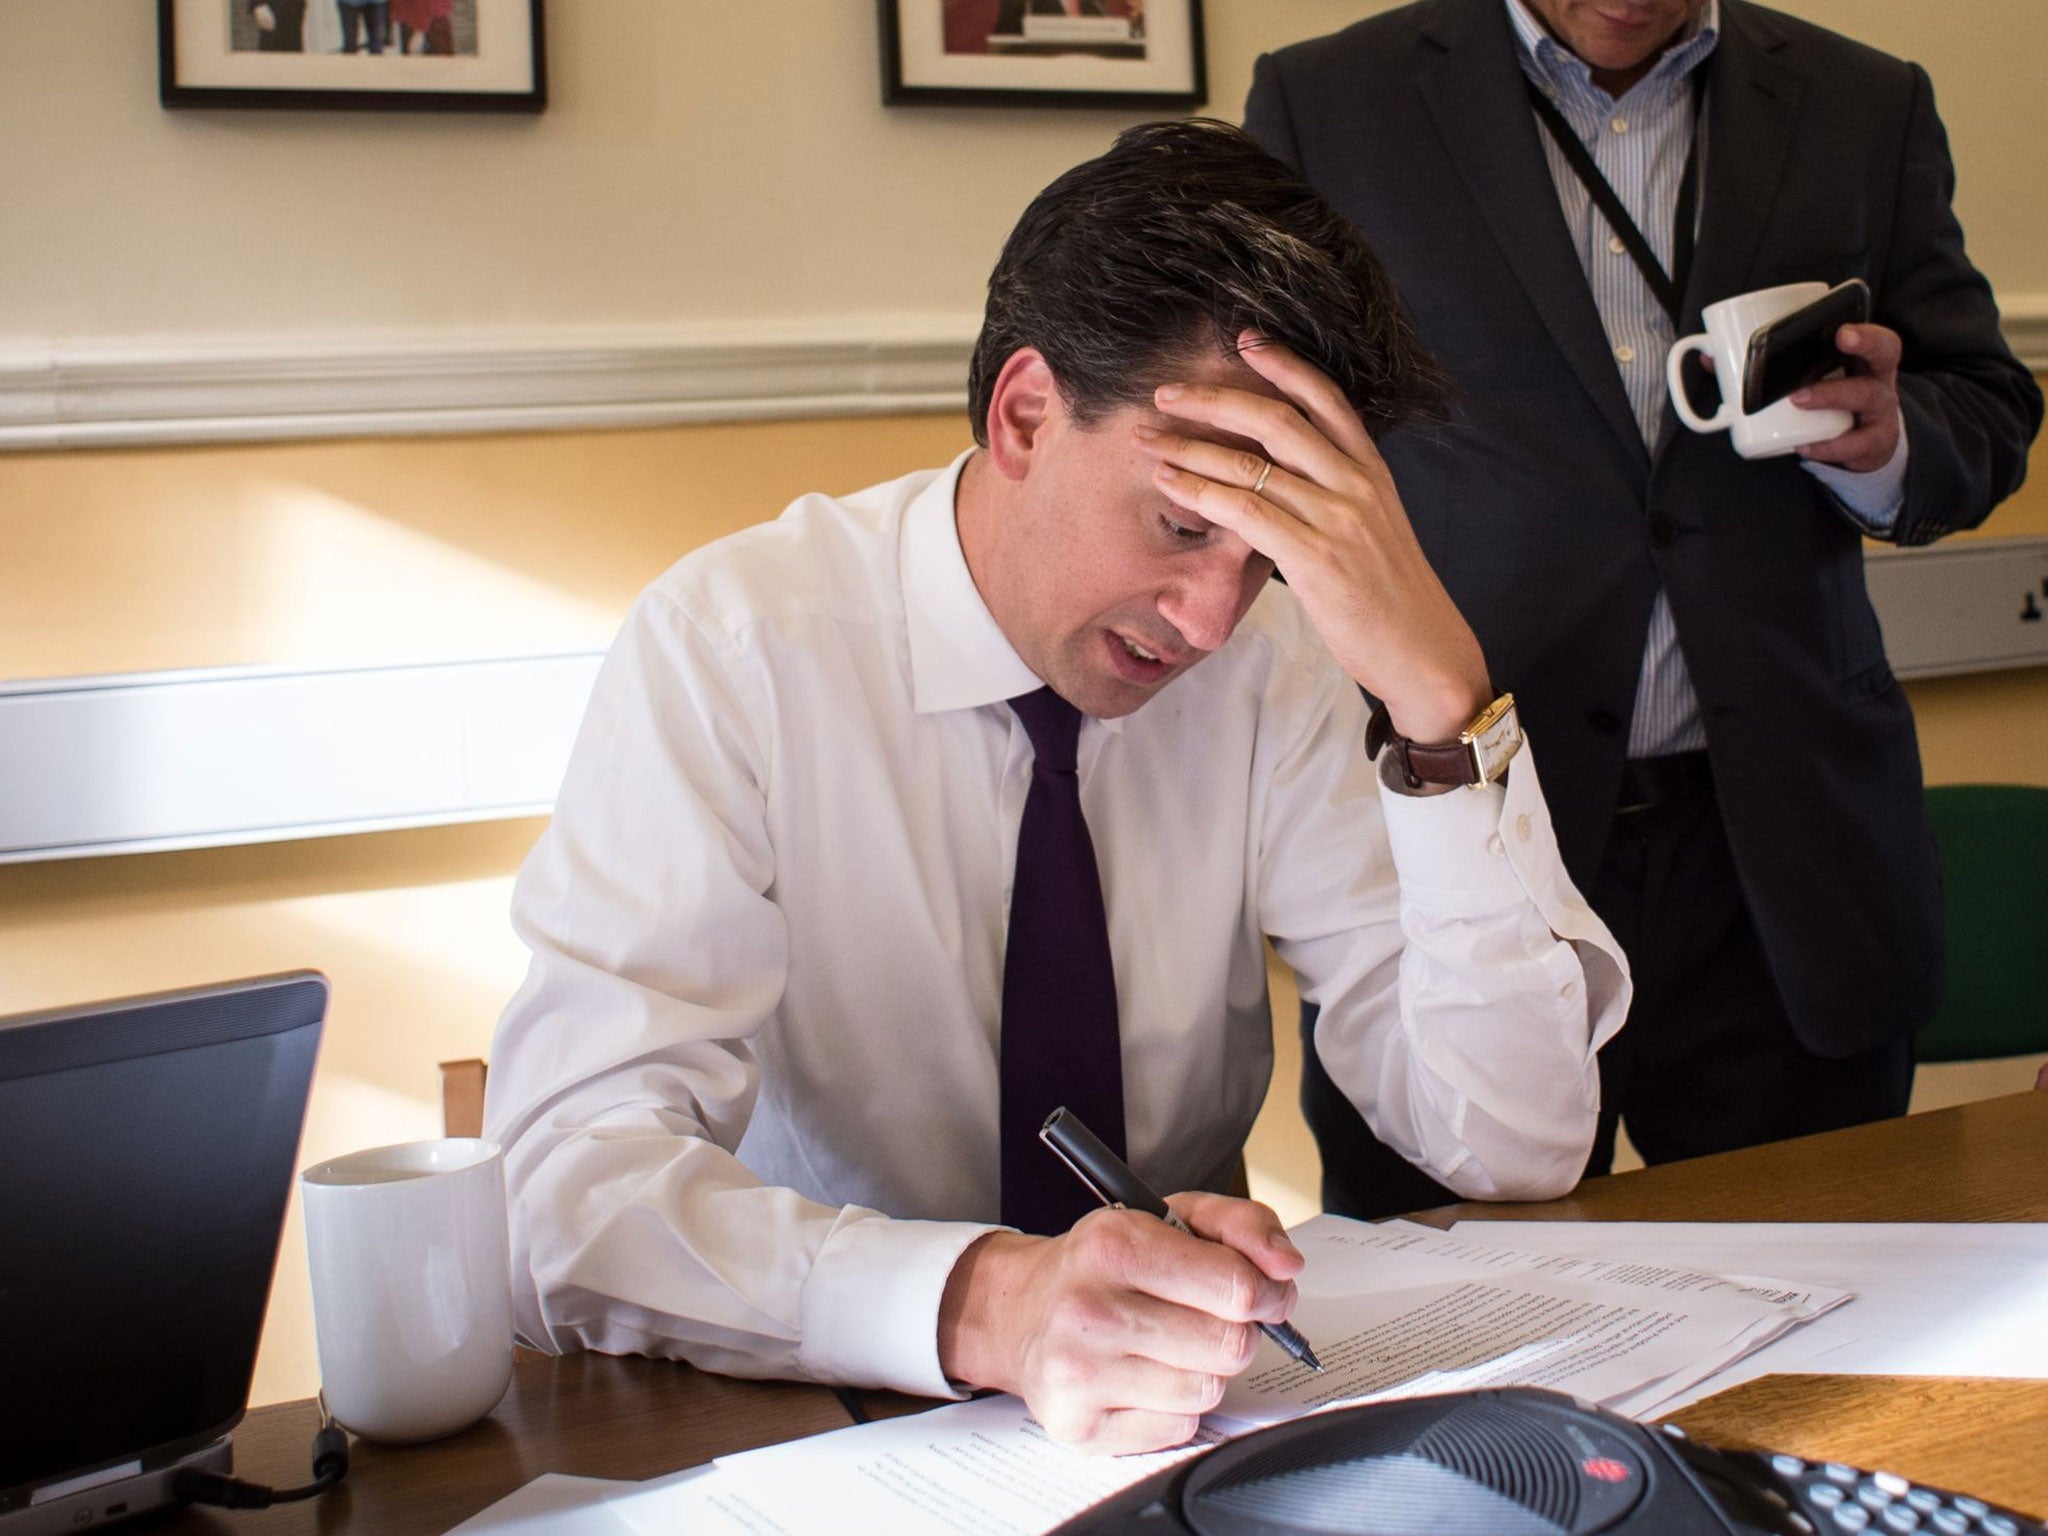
(2026, 328)
(115, 394)
(123, 394)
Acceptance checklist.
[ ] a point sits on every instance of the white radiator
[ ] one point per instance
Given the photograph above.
(200, 759)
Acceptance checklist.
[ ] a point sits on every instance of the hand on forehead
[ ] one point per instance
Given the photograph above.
(1257, 399)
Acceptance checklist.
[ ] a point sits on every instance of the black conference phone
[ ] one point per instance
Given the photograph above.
(1519, 1462)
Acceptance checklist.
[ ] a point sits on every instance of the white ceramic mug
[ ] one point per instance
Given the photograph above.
(1779, 427)
(412, 1286)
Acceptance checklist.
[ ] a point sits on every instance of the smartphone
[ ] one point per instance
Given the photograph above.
(1798, 349)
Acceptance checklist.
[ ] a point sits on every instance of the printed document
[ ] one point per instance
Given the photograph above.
(1394, 1310)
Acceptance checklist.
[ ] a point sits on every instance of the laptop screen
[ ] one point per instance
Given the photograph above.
(146, 1155)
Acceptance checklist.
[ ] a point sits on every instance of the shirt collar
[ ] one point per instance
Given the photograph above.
(1553, 64)
(959, 656)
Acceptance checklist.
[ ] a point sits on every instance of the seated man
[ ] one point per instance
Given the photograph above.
(906, 818)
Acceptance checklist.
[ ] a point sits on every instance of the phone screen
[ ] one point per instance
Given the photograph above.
(1799, 348)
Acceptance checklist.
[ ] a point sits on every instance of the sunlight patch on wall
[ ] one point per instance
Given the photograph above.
(322, 579)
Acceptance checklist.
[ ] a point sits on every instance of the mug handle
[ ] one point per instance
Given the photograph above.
(1722, 418)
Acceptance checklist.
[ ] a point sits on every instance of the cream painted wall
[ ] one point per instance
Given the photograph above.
(717, 163)
(142, 559)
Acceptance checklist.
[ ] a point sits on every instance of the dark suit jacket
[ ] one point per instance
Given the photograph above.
(1551, 524)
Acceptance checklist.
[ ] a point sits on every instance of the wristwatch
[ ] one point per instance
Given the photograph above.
(1479, 756)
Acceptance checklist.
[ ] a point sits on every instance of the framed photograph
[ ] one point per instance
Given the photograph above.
(1067, 53)
(393, 55)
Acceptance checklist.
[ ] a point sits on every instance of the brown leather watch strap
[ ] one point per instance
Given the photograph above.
(1420, 762)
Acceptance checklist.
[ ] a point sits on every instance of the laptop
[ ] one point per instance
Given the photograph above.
(147, 1148)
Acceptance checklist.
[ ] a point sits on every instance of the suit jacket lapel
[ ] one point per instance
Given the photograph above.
(1473, 90)
(1751, 117)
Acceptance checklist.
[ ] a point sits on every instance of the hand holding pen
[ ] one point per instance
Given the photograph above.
(1110, 1180)
(1120, 1333)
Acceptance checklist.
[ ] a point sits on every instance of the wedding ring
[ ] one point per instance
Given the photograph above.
(1259, 484)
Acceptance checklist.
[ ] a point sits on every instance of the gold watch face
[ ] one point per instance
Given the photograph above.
(1494, 738)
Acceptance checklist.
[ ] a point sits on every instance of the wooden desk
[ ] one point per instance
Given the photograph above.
(593, 1415)
(603, 1417)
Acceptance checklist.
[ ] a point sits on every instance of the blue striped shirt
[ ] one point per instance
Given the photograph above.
(1640, 143)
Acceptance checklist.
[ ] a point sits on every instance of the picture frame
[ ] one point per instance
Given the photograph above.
(352, 55)
(1144, 54)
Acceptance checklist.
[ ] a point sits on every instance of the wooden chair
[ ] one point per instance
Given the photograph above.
(462, 1097)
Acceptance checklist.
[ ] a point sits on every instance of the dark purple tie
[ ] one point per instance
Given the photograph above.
(1059, 991)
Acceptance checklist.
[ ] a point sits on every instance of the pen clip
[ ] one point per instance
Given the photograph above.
(1087, 1179)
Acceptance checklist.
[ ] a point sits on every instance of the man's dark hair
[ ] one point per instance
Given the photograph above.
(1182, 236)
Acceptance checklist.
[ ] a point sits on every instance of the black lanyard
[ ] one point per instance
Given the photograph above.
(1669, 287)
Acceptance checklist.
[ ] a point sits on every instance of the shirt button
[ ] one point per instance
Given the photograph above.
(1523, 828)
(1619, 125)
(1496, 847)
(1617, 245)
(1625, 353)
(1663, 531)
(1568, 991)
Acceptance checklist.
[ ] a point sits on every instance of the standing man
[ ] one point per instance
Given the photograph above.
(900, 821)
(1733, 768)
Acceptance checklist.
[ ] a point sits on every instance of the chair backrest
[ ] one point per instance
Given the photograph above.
(1994, 874)
(462, 1097)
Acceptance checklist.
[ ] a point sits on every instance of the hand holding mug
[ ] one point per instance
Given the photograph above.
(1784, 426)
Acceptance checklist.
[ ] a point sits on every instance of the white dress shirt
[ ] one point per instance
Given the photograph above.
(768, 919)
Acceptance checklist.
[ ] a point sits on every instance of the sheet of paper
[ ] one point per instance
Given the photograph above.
(1932, 1299)
(1398, 1310)
(976, 1467)
(700, 1502)
(554, 1504)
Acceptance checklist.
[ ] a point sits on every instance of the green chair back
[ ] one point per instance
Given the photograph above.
(1994, 875)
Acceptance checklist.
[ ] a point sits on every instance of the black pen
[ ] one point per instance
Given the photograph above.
(1110, 1180)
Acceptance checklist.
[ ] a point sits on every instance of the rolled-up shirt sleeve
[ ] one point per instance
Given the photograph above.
(623, 1078)
(1464, 986)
